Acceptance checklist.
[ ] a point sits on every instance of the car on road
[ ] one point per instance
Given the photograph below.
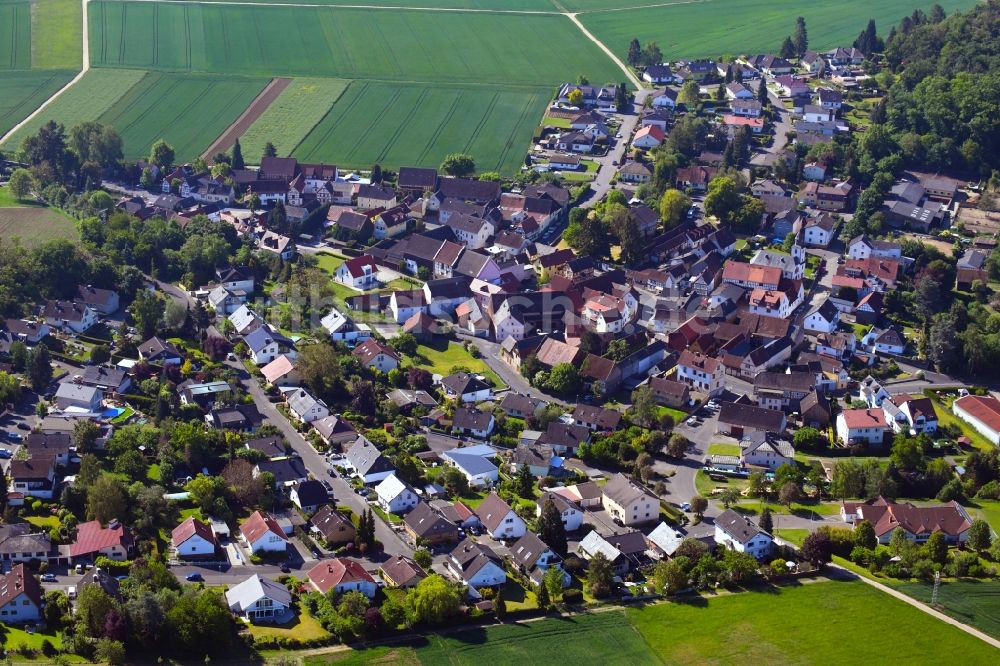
(328, 486)
(685, 506)
(285, 568)
(194, 577)
(23, 426)
(48, 577)
(14, 436)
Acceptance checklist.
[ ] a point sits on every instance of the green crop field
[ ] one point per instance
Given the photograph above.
(816, 623)
(974, 602)
(32, 223)
(56, 34)
(21, 92)
(418, 124)
(94, 94)
(715, 27)
(187, 111)
(350, 43)
(15, 35)
(499, 5)
(290, 118)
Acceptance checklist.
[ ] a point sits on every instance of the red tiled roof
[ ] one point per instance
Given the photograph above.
(985, 409)
(92, 537)
(190, 528)
(257, 525)
(864, 418)
(330, 573)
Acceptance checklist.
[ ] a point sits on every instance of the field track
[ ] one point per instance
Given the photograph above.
(248, 117)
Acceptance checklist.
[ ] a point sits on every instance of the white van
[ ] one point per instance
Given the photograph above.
(71, 592)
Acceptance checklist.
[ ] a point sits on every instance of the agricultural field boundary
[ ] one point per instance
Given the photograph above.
(257, 107)
(83, 70)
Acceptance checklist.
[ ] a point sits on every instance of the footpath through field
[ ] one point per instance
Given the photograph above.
(73, 81)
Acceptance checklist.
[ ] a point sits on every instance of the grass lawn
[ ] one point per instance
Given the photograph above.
(705, 485)
(15, 637)
(153, 473)
(780, 627)
(792, 535)
(329, 262)
(974, 602)
(388, 517)
(444, 356)
(43, 522)
(553, 121)
(124, 416)
(947, 417)
(33, 223)
(517, 597)
(304, 627)
(677, 414)
(719, 449)
(989, 510)
(804, 509)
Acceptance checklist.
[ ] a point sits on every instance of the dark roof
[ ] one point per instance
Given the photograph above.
(425, 522)
(312, 493)
(417, 178)
(284, 470)
(481, 191)
(463, 382)
(272, 447)
(737, 526)
(751, 416)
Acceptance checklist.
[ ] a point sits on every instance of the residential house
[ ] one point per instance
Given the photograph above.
(500, 521)
(225, 301)
(376, 355)
(203, 395)
(358, 273)
(93, 540)
(597, 419)
(659, 74)
(910, 414)
(669, 392)
(521, 406)
(367, 462)
(309, 495)
(335, 528)
(629, 503)
(565, 438)
(736, 531)
(479, 470)
(863, 248)
(272, 447)
(746, 108)
(532, 557)
(624, 551)
(342, 575)
(917, 523)
(818, 230)
(27, 331)
(401, 572)
(424, 525)
(648, 137)
(471, 421)
(760, 449)
(265, 344)
(69, 316)
(244, 321)
(19, 544)
(971, 267)
(395, 495)
(664, 99)
(884, 341)
(275, 243)
(466, 388)
(71, 396)
(261, 533)
(635, 172)
(814, 410)
(737, 419)
(102, 301)
(822, 318)
(305, 407)
(243, 418)
(862, 425)
(21, 597)
(569, 512)
(260, 600)
(281, 372)
(476, 565)
(159, 351)
(376, 196)
(193, 539)
(335, 430)
(780, 390)
(702, 373)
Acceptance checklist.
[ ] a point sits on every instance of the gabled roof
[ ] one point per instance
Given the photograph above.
(259, 524)
(243, 596)
(737, 526)
(461, 383)
(751, 416)
(492, 511)
(623, 491)
(17, 582)
(402, 571)
(392, 487)
(426, 522)
(190, 528)
(367, 459)
(92, 537)
(368, 350)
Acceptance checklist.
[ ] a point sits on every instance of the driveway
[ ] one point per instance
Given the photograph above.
(607, 170)
(781, 126)
(491, 355)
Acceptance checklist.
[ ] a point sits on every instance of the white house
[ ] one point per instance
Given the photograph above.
(342, 575)
(824, 318)
(884, 341)
(814, 171)
(909, 414)
(306, 408)
(738, 532)
(395, 496)
(261, 533)
(701, 373)
(193, 539)
(476, 565)
(78, 396)
(479, 470)
(466, 388)
(569, 512)
(376, 355)
(759, 450)
(367, 462)
(856, 425)
(358, 273)
(69, 316)
(245, 320)
(20, 596)
(266, 344)
(499, 519)
(259, 599)
(818, 230)
(861, 247)
(665, 99)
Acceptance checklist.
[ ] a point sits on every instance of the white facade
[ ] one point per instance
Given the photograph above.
(269, 542)
(195, 546)
(394, 496)
(572, 517)
(759, 546)
(511, 527)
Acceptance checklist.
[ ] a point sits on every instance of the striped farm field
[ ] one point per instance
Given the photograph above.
(15, 34)
(22, 92)
(418, 124)
(87, 100)
(290, 118)
(710, 28)
(188, 111)
(460, 47)
(498, 5)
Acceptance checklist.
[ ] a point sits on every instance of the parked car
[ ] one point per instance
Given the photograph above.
(14, 436)
(23, 426)
(285, 568)
(5, 454)
(194, 577)
(48, 577)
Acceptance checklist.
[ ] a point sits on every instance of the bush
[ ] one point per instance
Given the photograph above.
(923, 569)
(989, 490)
(572, 596)
(48, 649)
